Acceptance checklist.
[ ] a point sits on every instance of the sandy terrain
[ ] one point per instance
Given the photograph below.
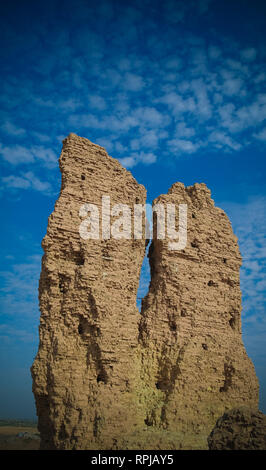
(9, 439)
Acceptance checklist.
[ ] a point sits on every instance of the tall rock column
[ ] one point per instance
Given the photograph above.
(85, 371)
(194, 362)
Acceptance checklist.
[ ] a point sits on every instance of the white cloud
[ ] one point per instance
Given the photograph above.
(128, 162)
(148, 139)
(13, 130)
(26, 181)
(120, 103)
(124, 64)
(235, 66)
(44, 103)
(110, 123)
(37, 184)
(17, 182)
(232, 86)
(177, 103)
(133, 82)
(183, 146)
(184, 104)
(43, 138)
(97, 102)
(226, 110)
(46, 155)
(120, 148)
(19, 300)
(106, 143)
(68, 105)
(173, 63)
(135, 144)
(214, 52)
(252, 114)
(191, 84)
(19, 154)
(150, 117)
(220, 139)
(16, 154)
(112, 77)
(204, 107)
(199, 59)
(147, 158)
(182, 131)
(183, 87)
(123, 124)
(261, 135)
(249, 54)
(261, 77)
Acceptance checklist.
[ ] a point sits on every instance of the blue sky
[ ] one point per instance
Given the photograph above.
(175, 90)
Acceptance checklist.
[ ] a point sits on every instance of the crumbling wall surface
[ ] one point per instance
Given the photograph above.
(108, 377)
(85, 371)
(239, 429)
(194, 362)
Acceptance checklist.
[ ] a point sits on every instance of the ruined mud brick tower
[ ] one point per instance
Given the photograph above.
(108, 377)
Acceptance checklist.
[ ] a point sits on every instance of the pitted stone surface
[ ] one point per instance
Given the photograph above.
(106, 376)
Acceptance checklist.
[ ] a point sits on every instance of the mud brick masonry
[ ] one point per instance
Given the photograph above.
(107, 376)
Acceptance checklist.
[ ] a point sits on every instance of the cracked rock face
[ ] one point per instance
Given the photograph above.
(108, 377)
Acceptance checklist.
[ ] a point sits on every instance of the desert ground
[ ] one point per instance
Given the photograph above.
(18, 436)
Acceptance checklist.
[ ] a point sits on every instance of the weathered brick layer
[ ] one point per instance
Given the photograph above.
(106, 376)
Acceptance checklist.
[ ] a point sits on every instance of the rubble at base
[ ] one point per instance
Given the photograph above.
(239, 429)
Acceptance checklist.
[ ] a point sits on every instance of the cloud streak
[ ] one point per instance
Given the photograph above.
(113, 89)
(26, 181)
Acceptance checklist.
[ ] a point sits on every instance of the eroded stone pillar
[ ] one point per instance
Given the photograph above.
(194, 362)
(85, 371)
